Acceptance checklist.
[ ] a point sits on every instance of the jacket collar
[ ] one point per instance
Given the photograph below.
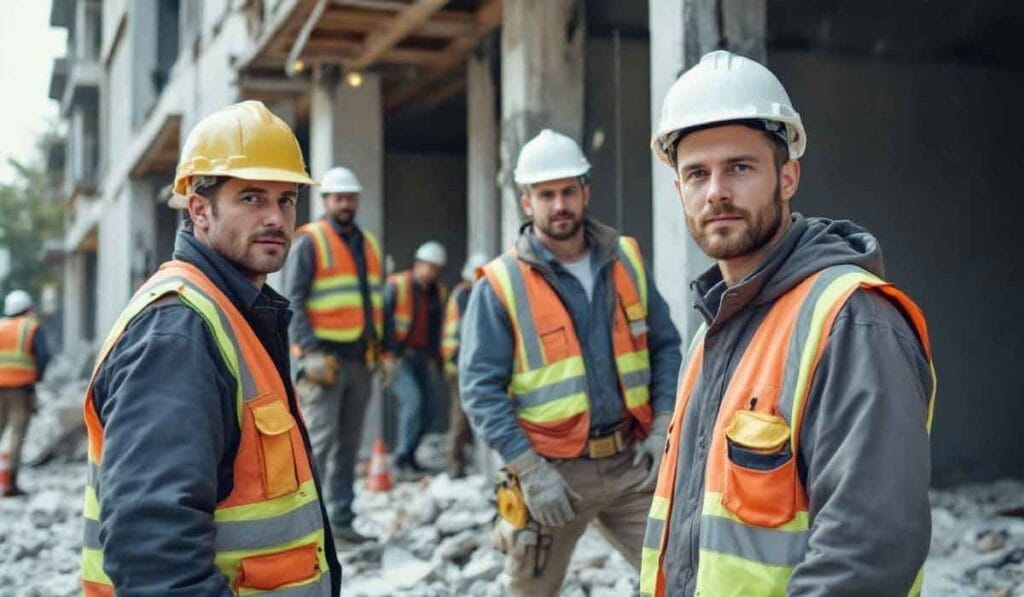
(602, 241)
(239, 290)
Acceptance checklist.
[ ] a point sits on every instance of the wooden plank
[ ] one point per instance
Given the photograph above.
(383, 39)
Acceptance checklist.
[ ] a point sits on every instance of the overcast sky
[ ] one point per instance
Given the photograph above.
(27, 48)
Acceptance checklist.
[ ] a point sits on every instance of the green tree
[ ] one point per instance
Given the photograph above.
(29, 216)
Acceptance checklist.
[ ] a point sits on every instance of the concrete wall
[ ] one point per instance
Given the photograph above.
(923, 155)
(425, 196)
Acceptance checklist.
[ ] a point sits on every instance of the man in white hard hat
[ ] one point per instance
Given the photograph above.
(334, 281)
(24, 354)
(414, 302)
(798, 457)
(459, 434)
(567, 368)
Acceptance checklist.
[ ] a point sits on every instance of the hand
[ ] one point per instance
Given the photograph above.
(388, 371)
(546, 492)
(651, 449)
(319, 368)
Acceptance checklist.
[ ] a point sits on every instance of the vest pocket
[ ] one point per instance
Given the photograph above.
(760, 479)
(270, 571)
(274, 423)
(556, 344)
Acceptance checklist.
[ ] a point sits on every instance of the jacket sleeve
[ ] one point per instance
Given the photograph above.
(41, 351)
(158, 476)
(663, 344)
(390, 344)
(485, 369)
(298, 281)
(865, 456)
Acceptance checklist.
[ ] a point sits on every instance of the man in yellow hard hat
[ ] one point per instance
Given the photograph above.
(200, 477)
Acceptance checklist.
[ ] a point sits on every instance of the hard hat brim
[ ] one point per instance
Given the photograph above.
(268, 174)
(552, 175)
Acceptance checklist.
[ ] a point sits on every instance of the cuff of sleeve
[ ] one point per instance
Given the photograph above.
(518, 454)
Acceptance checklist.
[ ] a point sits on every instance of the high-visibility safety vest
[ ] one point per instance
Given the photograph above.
(549, 378)
(404, 308)
(755, 524)
(453, 327)
(335, 305)
(269, 530)
(17, 367)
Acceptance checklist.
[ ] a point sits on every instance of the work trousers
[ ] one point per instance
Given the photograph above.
(417, 386)
(15, 411)
(459, 434)
(334, 418)
(610, 497)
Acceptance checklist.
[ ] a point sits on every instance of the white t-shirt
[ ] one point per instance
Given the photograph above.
(581, 271)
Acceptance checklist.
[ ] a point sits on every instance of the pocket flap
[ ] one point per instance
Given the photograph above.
(756, 431)
(635, 312)
(273, 418)
(271, 571)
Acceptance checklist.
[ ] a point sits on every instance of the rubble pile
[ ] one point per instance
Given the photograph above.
(57, 431)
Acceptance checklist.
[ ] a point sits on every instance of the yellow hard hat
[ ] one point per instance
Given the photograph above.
(244, 140)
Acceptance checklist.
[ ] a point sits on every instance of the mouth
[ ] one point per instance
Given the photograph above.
(722, 219)
(274, 242)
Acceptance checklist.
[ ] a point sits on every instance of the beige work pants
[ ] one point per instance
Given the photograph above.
(15, 410)
(610, 498)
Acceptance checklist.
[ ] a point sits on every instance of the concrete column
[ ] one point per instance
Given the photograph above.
(347, 129)
(542, 71)
(681, 32)
(483, 210)
(74, 283)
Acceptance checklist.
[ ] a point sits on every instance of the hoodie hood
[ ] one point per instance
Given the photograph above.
(809, 246)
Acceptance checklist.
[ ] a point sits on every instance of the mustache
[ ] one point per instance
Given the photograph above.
(269, 234)
(725, 209)
(562, 215)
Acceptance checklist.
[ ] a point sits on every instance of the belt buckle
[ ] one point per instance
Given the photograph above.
(602, 447)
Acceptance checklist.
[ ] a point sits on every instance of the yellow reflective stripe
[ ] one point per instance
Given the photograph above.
(340, 336)
(918, 585)
(323, 250)
(502, 274)
(724, 574)
(329, 282)
(659, 508)
(229, 561)
(555, 410)
(92, 567)
(630, 362)
(931, 398)
(824, 304)
(649, 570)
(375, 247)
(528, 381)
(336, 300)
(713, 507)
(268, 508)
(638, 267)
(637, 396)
(91, 505)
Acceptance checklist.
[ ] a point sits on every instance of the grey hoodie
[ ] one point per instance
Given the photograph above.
(864, 452)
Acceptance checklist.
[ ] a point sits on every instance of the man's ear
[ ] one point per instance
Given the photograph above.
(524, 202)
(199, 209)
(789, 179)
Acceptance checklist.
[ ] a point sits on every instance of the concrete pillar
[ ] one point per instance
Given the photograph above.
(347, 129)
(542, 71)
(483, 210)
(74, 283)
(681, 32)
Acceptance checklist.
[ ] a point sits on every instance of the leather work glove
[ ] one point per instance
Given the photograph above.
(651, 449)
(320, 368)
(545, 491)
(388, 371)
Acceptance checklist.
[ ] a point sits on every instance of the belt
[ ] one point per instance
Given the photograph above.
(615, 442)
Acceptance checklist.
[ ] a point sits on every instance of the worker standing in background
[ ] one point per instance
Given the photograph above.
(200, 479)
(334, 281)
(24, 354)
(459, 433)
(568, 367)
(797, 460)
(414, 303)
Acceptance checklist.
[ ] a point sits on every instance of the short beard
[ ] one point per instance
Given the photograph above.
(345, 218)
(549, 231)
(761, 229)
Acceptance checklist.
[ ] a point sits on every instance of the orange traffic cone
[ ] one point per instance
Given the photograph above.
(379, 478)
(5, 473)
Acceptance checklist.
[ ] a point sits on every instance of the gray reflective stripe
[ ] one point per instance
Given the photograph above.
(524, 314)
(548, 393)
(92, 476)
(344, 288)
(638, 327)
(652, 536)
(634, 379)
(769, 546)
(255, 534)
(801, 330)
(91, 535)
(321, 587)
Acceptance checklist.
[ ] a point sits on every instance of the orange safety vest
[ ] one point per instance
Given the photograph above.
(403, 308)
(269, 530)
(755, 524)
(549, 379)
(452, 327)
(17, 366)
(335, 303)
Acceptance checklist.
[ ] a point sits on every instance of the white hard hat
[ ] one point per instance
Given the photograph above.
(432, 252)
(550, 156)
(723, 87)
(340, 180)
(475, 262)
(17, 302)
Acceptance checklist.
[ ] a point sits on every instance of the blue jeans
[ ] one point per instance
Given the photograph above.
(416, 387)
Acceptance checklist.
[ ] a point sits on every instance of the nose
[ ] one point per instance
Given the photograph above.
(718, 189)
(273, 216)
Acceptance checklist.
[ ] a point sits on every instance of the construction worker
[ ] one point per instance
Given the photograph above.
(797, 458)
(24, 354)
(334, 279)
(459, 434)
(413, 310)
(571, 327)
(200, 476)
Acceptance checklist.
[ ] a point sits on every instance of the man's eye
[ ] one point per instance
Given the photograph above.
(251, 198)
(695, 174)
(740, 167)
(288, 201)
